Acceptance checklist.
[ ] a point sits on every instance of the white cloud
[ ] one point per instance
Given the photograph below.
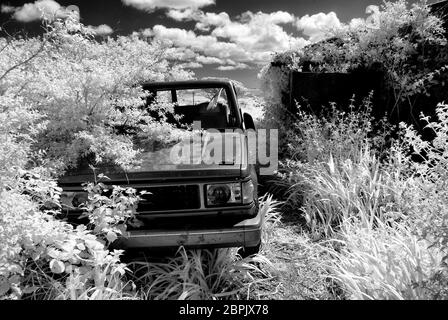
(191, 65)
(179, 37)
(234, 44)
(371, 21)
(209, 60)
(150, 5)
(35, 11)
(281, 17)
(233, 67)
(260, 32)
(204, 19)
(7, 9)
(278, 17)
(317, 26)
(101, 30)
(40, 9)
(180, 54)
(250, 39)
(254, 31)
(208, 45)
(212, 19)
(181, 15)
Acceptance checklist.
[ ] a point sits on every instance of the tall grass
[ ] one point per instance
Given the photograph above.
(191, 274)
(385, 262)
(201, 274)
(374, 208)
(373, 251)
(363, 209)
(41, 284)
(207, 274)
(335, 172)
(356, 188)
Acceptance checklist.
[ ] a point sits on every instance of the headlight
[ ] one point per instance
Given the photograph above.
(248, 191)
(229, 193)
(73, 200)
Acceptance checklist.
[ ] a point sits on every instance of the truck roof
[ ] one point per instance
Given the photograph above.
(185, 84)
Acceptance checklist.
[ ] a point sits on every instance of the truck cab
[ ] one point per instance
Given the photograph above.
(196, 204)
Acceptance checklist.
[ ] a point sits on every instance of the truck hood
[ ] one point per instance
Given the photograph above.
(203, 155)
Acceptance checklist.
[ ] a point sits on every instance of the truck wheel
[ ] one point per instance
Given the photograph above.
(248, 251)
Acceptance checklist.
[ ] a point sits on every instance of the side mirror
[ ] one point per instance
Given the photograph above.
(248, 121)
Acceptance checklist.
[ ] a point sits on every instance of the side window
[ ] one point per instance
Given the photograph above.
(209, 105)
(156, 97)
(164, 97)
(186, 97)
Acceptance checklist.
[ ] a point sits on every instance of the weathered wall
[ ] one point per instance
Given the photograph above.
(314, 91)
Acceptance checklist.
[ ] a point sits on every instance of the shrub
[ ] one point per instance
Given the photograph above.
(40, 255)
(386, 262)
(208, 274)
(334, 162)
(62, 96)
(110, 210)
(385, 220)
(428, 200)
(83, 90)
(406, 44)
(313, 138)
(383, 211)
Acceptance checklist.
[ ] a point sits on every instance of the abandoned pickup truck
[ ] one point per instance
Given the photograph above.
(195, 205)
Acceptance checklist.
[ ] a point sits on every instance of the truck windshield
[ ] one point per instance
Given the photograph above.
(210, 106)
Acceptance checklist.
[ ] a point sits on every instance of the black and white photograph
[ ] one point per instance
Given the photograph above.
(225, 155)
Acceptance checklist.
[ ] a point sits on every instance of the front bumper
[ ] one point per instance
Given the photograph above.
(246, 233)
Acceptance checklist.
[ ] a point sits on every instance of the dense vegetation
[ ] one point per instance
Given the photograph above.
(64, 97)
(364, 216)
(371, 196)
(405, 45)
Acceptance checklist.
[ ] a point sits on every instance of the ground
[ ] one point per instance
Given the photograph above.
(296, 260)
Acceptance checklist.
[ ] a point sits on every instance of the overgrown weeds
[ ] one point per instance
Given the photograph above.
(208, 274)
(381, 220)
(384, 262)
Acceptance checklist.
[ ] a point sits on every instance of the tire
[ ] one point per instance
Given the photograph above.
(244, 252)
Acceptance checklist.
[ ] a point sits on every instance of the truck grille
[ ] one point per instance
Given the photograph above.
(170, 198)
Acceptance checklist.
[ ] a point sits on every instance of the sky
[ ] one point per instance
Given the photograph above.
(214, 38)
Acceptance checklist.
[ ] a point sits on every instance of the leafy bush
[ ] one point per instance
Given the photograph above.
(330, 153)
(109, 214)
(83, 90)
(385, 262)
(41, 255)
(384, 218)
(374, 197)
(64, 96)
(406, 44)
(312, 138)
(428, 199)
